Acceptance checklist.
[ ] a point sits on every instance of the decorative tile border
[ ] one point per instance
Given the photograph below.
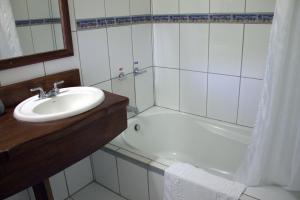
(243, 18)
(33, 22)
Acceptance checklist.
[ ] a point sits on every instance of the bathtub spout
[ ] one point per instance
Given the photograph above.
(133, 109)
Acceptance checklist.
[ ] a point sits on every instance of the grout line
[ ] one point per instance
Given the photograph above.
(30, 27)
(66, 181)
(179, 67)
(82, 188)
(92, 166)
(250, 196)
(118, 176)
(240, 81)
(133, 59)
(214, 73)
(207, 117)
(108, 52)
(179, 59)
(79, 57)
(208, 64)
(102, 185)
(148, 185)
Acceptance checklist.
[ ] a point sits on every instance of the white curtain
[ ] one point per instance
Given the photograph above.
(9, 40)
(274, 154)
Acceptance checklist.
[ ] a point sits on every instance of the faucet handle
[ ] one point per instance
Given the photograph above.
(57, 83)
(42, 93)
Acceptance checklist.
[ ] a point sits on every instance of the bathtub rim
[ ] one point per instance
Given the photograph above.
(251, 193)
(238, 133)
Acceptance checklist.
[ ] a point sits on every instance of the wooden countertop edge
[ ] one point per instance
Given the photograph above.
(80, 120)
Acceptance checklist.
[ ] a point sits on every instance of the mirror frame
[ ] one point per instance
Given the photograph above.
(50, 55)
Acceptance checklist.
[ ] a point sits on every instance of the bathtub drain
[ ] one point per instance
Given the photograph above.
(137, 127)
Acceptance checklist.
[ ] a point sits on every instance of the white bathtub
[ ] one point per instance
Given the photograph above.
(212, 145)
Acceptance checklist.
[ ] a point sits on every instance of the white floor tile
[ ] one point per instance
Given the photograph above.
(96, 192)
(79, 175)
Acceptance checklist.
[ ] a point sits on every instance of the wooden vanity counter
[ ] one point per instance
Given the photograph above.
(32, 152)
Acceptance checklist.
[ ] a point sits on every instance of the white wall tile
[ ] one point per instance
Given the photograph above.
(194, 6)
(222, 99)
(193, 87)
(104, 86)
(227, 6)
(140, 7)
(144, 90)
(79, 175)
(89, 9)
(105, 169)
(14, 75)
(54, 8)
(142, 45)
(25, 39)
(64, 64)
(96, 192)
(19, 196)
(136, 176)
(120, 50)
(42, 38)
(125, 87)
(194, 46)
(156, 186)
(166, 45)
(260, 5)
(250, 93)
(165, 7)
(117, 8)
(94, 56)
(59, 186)
(167, 87)
(19, 8)
(255, 52)
(38, 9)
(225, 51)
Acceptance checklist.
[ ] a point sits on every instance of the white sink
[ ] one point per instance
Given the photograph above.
(69, 102)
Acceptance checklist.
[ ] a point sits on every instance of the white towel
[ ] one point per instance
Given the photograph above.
(186, 182)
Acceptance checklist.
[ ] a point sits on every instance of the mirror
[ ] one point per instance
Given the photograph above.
(33, 31)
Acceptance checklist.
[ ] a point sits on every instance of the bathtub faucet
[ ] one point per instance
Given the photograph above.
(133, 109)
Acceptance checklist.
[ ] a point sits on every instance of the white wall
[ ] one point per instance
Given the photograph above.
(212, 70)
(98, 54)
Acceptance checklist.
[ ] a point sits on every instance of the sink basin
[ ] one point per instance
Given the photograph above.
(69, 102)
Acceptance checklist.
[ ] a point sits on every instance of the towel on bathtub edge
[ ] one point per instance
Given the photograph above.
(186, 182)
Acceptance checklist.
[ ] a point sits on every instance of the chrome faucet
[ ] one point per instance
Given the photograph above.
(52, 93)
(133, 109)
(55, 90)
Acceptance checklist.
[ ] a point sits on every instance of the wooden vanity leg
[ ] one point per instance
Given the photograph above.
(42, 191)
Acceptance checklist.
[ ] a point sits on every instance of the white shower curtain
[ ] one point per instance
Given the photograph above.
(274, 153)
(9, 40)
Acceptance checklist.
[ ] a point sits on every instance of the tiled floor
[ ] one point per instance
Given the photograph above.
(96, 192)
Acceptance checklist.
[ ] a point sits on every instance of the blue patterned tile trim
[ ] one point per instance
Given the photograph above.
(32, 22)
(244, 18)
